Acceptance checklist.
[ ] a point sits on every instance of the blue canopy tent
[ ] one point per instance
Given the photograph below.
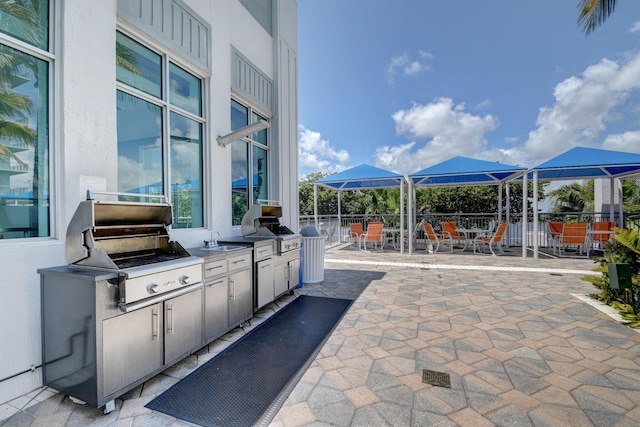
(362, 177)
(464, 171)
(578, 163)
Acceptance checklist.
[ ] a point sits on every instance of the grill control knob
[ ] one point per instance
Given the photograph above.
(153, 288)
(185, 280)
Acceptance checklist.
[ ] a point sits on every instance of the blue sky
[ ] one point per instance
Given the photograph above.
(405, 84)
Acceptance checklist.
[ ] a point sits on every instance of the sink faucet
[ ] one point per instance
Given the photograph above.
(213, 242)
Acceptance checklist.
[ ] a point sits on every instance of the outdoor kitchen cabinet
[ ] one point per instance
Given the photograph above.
(140, 342)
(228, 292)
(264, 274)
(286, 272)
(240, 289)
(216, 295)
(94, 351)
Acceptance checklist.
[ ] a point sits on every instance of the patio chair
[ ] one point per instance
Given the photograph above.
(436, 240)
(555, 231)
(356, 232)
(375, 236)
(573, 234)
(491, 240)
(450, 228)
(596, 239)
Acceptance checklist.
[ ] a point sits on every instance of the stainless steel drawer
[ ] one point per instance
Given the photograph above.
(215, 268)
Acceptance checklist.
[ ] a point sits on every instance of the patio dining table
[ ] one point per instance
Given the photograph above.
(395, 235)
(470, 234)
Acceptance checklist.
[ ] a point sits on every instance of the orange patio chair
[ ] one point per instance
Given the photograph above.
(451, 229)
(435, 240)
(573, 234)
(491, 240)
(597, 239)
(555, 231)
(375, 236)
(356, 232)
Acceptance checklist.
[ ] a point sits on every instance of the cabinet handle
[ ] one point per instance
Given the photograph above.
(170, 319)
(288, 272)
(233, 289)
(214, 268)
(218, 282)
(155, 324)
(240, 261)
(266, 266)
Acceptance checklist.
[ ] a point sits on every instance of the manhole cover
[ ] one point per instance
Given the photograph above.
(439, 379)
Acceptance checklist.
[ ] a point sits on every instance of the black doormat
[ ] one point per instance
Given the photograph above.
(248, 382)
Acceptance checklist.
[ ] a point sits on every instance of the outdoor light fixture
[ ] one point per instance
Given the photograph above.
(242, 132)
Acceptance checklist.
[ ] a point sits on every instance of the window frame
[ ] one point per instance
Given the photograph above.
(252, 144)
(168, 58)
(49, 57)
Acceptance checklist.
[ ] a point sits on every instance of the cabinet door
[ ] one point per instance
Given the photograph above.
(131, 347)
(294, 273)
(182, 325)
(240, 297)
(216, 313)
(280, 278)
(264, 285)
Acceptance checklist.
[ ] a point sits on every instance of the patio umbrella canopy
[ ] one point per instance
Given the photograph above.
(362, 177)
(464, 171)
(580, 163)
(459, 171)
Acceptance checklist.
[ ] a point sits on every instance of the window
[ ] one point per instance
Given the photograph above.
(24, 120)
(160, 130)
(249, 158)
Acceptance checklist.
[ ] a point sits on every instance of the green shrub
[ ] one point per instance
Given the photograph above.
(624, 249)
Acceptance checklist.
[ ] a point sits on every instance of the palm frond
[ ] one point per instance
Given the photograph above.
(593, 13)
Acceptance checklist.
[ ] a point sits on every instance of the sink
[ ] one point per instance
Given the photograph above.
(223, 248)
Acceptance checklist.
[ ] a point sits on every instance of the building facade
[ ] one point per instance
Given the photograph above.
(132, 96)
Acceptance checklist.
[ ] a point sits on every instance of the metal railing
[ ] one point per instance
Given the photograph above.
(339, 231)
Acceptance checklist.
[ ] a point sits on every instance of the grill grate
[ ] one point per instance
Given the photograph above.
(439, 379)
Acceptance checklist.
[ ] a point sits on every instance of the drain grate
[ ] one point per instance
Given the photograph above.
(439, 379)
(555, 274)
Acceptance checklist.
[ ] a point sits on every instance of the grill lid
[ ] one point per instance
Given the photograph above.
(121, 234)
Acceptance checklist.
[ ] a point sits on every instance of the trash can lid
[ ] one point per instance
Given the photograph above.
(309, 231)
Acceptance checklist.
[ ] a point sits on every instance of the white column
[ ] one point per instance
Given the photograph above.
(535, 215)
(525, 206)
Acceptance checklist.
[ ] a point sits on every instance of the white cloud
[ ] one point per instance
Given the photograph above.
(635, 28)
(627, 141)
(317, 154)
(407, 66)
(583, 107)
(449, 129)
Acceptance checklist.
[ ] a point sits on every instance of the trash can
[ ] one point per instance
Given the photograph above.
(312, 255)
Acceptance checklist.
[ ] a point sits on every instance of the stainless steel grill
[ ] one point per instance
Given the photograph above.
(264, 220)
(132, 238)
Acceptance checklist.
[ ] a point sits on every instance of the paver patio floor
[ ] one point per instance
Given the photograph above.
(517, 344)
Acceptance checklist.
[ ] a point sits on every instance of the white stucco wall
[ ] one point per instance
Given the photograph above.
(84, 155)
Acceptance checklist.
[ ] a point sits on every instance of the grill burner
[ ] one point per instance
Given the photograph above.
(131, 260)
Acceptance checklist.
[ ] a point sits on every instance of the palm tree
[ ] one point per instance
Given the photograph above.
(574, 197)
(593, 13)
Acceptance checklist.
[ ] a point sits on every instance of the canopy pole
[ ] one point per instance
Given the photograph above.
(536, 234)
(619, 190)
(525, 218)
(410, 212)
(507, 189)
(612, 186)
(402, 216)
(500, 202)
(339, 217)
(315, 204)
